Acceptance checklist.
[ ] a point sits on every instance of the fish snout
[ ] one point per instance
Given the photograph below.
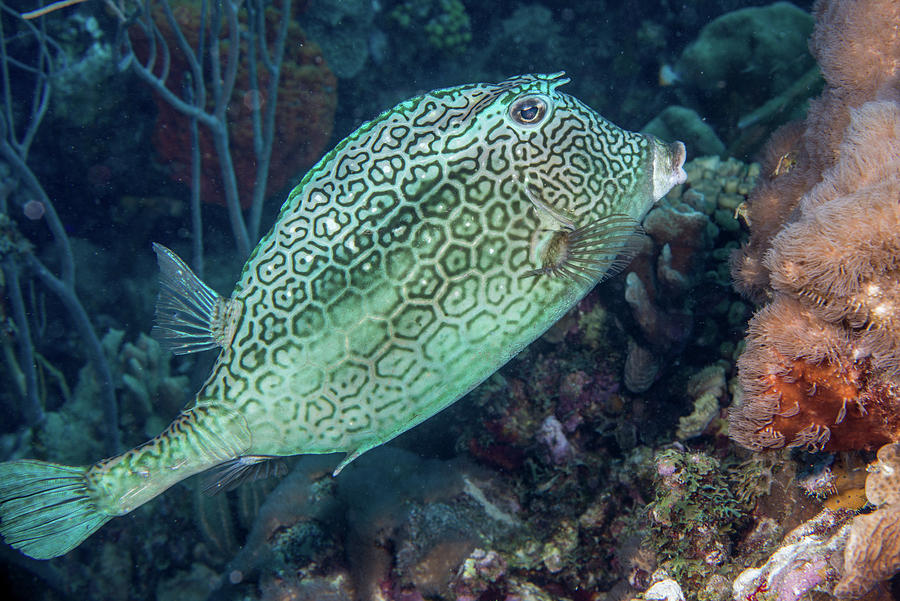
(668, 167)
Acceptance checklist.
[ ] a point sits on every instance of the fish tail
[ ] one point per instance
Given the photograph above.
(46, 509)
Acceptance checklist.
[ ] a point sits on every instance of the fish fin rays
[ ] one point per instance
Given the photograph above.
(46, 509)
(190, 316)
(592, 252)
(247, 468)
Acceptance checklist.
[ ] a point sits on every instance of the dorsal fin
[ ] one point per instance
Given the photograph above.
(190, 316)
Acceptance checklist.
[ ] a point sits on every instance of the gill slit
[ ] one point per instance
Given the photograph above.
(533, 195)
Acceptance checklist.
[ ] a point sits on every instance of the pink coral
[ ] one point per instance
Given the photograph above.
(553, 438)
(481, 572)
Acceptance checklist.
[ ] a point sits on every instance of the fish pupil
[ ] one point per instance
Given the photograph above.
(528, 113)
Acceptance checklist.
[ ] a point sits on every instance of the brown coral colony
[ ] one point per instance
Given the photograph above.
(307, 100)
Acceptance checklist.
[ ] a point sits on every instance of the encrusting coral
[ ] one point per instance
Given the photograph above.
(836, 552)
(872, 553)
(822, 360)
(802, 564)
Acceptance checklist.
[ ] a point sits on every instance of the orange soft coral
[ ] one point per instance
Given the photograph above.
(820, 406)
(851, 273)
(784, 176)
(803, 386)
(857, 46)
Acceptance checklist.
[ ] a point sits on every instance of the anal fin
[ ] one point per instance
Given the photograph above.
(592, 252)
(351, 456)
(190, 316)
(246, 468)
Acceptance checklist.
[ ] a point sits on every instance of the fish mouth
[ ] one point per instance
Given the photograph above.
(668, 167)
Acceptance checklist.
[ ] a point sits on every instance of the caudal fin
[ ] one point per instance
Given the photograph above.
(46, 509)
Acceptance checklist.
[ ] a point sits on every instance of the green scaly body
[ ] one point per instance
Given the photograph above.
(399, 275)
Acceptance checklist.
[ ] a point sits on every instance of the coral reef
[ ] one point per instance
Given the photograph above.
(553, 437)
(343, 29)
(706, 388)
(694, 512)
(12, 245)
(685, 124)
(477, 574)
(85, 83)
(836, 551)
(146, 389)
(802, 386)
(883, 481)
(445, 23)
(148, 392)
(692, 225)
(641, 365)
(517, 31)
(307, 93)
(822, 360)
(568, 482)
(872, 552)
(664, 590)
(406, 525)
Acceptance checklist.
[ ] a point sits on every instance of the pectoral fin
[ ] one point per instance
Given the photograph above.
(592, 252)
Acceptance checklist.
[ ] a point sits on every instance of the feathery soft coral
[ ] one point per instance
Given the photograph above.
(822, 364)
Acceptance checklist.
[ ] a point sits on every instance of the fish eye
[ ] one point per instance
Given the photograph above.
(529, 110)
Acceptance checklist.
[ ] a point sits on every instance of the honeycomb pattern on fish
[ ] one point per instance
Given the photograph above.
(392, 284)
